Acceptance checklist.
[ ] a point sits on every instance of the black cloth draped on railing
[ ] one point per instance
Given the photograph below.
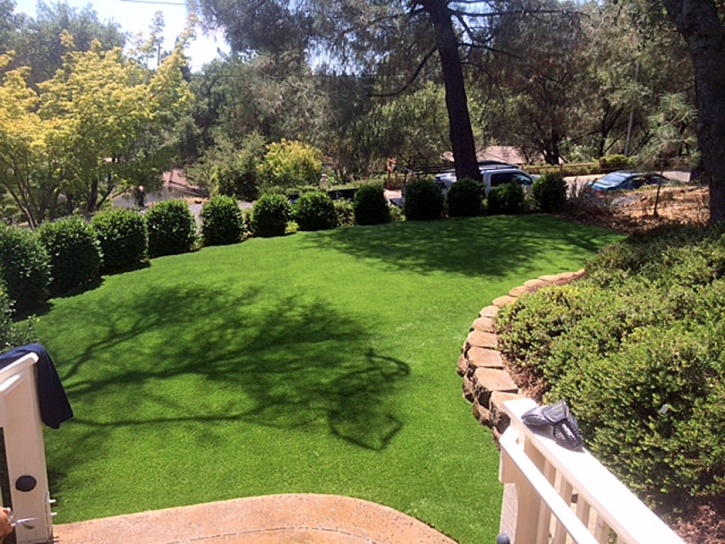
(54, 405)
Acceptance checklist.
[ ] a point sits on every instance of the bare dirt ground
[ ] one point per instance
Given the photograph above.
(635, 210)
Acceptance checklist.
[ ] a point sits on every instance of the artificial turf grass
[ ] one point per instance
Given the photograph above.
(320, 362)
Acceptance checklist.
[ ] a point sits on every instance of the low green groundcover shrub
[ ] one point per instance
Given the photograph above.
(271, 214)
(465, 198)
(123, 238)
(221, 221)
(315, 211)
(506, 199)
(25, 269)
(638, 351)
(549, 192)
(75, 254)
(423, 201)
(171, 228)
(370, 206)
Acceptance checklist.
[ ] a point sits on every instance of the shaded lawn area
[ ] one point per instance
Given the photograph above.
(320, 362)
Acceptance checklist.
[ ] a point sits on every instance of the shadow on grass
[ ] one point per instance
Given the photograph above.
(288, 363)
(495, 245)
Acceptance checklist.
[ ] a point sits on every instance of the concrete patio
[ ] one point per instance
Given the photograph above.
(273, 519)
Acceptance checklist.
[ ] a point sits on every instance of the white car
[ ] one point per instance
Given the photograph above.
(492, 174)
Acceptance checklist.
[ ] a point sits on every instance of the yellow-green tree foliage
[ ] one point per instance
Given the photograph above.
(79, 133)
(290, 164)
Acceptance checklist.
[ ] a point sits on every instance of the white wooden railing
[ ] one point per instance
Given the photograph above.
(554, 495)
(24, 449)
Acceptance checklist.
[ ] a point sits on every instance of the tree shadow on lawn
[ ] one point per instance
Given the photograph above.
(495, 245)
(180, 355)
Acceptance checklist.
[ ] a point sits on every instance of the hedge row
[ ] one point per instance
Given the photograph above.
(424, 199)
(638, 351)
(67, 254)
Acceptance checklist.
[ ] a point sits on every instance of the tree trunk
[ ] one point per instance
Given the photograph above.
(698, 23)
(92, 196)
(461, 133)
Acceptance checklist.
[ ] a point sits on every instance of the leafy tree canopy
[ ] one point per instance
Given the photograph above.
(84, 131)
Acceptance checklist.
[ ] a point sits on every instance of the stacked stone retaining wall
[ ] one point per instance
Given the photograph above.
(486, 382)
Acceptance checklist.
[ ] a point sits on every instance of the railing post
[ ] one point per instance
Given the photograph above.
(25, 452)
(522, 498)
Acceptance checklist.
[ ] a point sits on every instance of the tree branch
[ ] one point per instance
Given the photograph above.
(410, 81)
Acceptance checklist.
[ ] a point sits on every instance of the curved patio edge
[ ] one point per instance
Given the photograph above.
(270, 519)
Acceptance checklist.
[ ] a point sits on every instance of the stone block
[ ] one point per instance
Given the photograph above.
(482, 339)
(462, 367)
(481, 413)
(483, 358)
(483, 324)
(518, 291)
(564, 277)
(468, 389)
(500, 419)
(488, 311)
(487, 381)
(535, 285)
(503, 301)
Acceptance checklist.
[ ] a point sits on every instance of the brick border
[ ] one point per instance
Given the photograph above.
(486, 382)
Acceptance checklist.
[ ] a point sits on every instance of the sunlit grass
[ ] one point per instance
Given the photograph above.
(319, 362)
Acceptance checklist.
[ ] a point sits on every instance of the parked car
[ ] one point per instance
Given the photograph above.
(493, 174)
(622, 180)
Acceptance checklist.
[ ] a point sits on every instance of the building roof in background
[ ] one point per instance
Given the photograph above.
(503, 153)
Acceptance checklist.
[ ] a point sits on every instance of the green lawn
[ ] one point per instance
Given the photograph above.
(319, 362)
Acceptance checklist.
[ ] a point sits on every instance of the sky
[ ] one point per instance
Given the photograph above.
(135, 16)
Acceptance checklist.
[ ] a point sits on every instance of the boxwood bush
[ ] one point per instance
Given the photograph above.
(637, 350)
(75, 254)
(221, 221)
(423, 201)
(12, 334)
(25, 269)
(549, 192)
(465, 198)
(123, 238)
(507, 199)
(171, 228)
(370, 206)
(271, 214)
(315, 211)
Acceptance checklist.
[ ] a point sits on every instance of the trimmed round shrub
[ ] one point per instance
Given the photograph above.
(315, 211)
(221, 221)
(423, 201)
(345, 213)
(271, 214)
(25, 268)
(506, 199)
(171, 228)
(370, 206)
(75, 254)
(123, 238)
(550, 193)
(12, 334)
(465, 198)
